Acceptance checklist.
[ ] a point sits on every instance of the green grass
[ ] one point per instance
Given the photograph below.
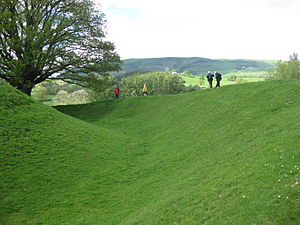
(218, 156)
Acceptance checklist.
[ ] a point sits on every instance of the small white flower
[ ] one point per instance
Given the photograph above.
(244, 196)
(291, 171)
(279, 180)
(296, 166)
(281, 165)
(279, 196)
(296, 183)
(285, 175)
(287, 196)
(293, 157)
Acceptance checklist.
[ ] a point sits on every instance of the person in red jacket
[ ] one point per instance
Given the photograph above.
(116, 92)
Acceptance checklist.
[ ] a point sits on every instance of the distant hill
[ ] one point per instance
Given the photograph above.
(194, 65)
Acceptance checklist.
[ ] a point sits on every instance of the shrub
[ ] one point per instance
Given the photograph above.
(102, 88)
(76, 97)
(201, 80)
(286, 70)
(232, 78)
(158, 83)
(40, 93)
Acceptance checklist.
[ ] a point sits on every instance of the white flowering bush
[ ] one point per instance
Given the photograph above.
(76, 97)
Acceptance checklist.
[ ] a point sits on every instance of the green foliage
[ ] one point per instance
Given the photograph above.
(218, 156)
(43, 39)
(240, 80)
(54, 86)
(41, 93)
(286, 70)
(76, 97)
(57, 92)
(201, 80)
(102, 88)
(159, 83)
(232, 78)
(188, 74)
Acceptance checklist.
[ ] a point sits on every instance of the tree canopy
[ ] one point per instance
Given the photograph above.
(287, 70)
(58, 39)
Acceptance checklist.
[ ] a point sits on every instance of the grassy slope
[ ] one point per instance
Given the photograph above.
(51, 163)
(208, 157)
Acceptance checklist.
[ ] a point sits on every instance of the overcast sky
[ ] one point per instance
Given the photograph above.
(231, 29)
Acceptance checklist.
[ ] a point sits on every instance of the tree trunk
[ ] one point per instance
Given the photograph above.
(25, 90)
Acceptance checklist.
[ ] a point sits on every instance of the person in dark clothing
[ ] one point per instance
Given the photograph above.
(117, 92)
(218, 77)
(210, 78)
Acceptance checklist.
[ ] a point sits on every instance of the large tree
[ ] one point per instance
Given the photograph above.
(44, 39)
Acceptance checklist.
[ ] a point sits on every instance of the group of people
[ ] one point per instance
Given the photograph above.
(210, 77)
(117, 91)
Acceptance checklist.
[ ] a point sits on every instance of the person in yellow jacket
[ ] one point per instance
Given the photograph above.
(145, 90)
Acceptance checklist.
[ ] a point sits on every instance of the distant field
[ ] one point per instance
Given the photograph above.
(241, 77)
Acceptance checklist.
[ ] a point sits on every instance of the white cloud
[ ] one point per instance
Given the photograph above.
(260, 29)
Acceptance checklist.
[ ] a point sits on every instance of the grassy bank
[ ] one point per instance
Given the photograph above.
(219, 156)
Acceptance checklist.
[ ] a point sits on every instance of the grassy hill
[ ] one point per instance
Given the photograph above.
(195, 65)
(219, 156)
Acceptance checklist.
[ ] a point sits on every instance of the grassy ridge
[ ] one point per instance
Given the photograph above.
(50, 162)
(219, 156)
